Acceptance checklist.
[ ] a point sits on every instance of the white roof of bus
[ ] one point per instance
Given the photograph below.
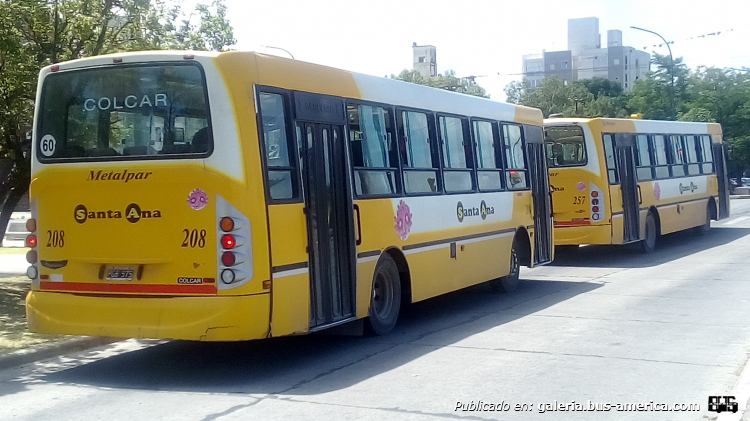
(644, 126)
(372, 88)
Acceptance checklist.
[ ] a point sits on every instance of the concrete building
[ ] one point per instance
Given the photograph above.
(425, 60)
(585, 58)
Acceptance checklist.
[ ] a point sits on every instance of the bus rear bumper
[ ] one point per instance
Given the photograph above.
(592, 234)
(216, 318)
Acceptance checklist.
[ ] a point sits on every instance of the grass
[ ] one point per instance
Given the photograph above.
(14, 334)
(13, 250)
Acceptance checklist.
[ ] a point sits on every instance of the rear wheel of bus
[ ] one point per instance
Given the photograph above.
(509, 282)
(706, 227)
(648, 244)
(385, 299)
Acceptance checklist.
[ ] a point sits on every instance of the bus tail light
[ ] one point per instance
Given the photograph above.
(595, 195)
(228, 241)
(32, 256)
(227, 276)
(233, 247)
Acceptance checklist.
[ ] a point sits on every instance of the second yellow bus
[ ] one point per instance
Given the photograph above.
(620, 181)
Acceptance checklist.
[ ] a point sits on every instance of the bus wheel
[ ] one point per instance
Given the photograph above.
(509, 282)
(385, 299)
(649, 243)
(706, 227)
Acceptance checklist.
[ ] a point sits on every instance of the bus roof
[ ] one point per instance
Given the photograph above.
(370, 88)
(630, 125)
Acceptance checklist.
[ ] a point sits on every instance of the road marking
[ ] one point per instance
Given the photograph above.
(736, 220)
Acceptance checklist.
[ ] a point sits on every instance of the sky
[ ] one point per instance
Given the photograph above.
(483, 38)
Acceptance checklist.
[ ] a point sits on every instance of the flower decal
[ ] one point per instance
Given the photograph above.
(197, 199)
(403, 220)
(580, 186)
(657, 191)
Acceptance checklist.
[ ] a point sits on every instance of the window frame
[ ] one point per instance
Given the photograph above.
(505, 145)
(470, 158)
(398, 174)
(652, 145)
(291, 133)
(435, 155)
(615, 169)
(126, 158)
(497, 144)
(639, 165)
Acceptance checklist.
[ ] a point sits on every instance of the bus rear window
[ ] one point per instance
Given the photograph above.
(129, 112)
(565, 146)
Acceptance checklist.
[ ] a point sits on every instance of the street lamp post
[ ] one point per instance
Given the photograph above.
(671, 70)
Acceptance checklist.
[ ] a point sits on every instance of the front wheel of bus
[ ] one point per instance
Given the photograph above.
(509, 282)
(385, 299)
(649, 242)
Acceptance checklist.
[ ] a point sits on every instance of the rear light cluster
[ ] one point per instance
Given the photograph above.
(595, 200)
(234, 250)
(32, 256)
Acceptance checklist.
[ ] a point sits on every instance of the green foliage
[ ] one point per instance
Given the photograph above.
(554, 96)
(449, 81)
(599, 86)
(36, 33)
(652, 96)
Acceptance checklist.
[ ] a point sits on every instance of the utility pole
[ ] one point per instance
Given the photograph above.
(671, 70)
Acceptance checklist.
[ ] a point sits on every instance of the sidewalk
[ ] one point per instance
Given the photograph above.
(17, 345)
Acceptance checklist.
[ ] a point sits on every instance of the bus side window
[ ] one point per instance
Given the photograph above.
(692, 155)
(374, 154)
(706, 155)
(281, 179)
(418, 154)
(678, 156)
(643, 158)
(515, 159)
(661, 166)
(609, 153)
(489, 155)
(457, 158)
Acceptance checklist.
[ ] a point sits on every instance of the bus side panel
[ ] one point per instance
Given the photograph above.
(291, 284)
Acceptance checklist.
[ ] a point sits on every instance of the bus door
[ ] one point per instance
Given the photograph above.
(625, 155)
(328, 208)
(536, 156)
(721, 175)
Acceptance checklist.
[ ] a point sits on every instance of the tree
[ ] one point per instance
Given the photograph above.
(449, 82)
(514, 91)
(554, 96)
(651, 96)
(599, 86)
(36, 33)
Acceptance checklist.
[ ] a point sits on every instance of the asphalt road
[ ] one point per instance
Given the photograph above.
(603, 324)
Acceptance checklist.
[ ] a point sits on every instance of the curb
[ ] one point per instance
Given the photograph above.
(53, 349)
(740, 196)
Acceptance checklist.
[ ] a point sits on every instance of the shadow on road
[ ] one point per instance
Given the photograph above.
(319, 363)
(668, 247)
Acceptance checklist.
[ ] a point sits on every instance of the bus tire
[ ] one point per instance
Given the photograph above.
(509, 282)
(706, 227)
(648, 244)
(385, 299)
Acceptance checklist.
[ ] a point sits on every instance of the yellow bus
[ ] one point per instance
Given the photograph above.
(234, 196)
(619, 181)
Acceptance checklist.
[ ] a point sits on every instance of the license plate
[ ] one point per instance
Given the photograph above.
(120, 273)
